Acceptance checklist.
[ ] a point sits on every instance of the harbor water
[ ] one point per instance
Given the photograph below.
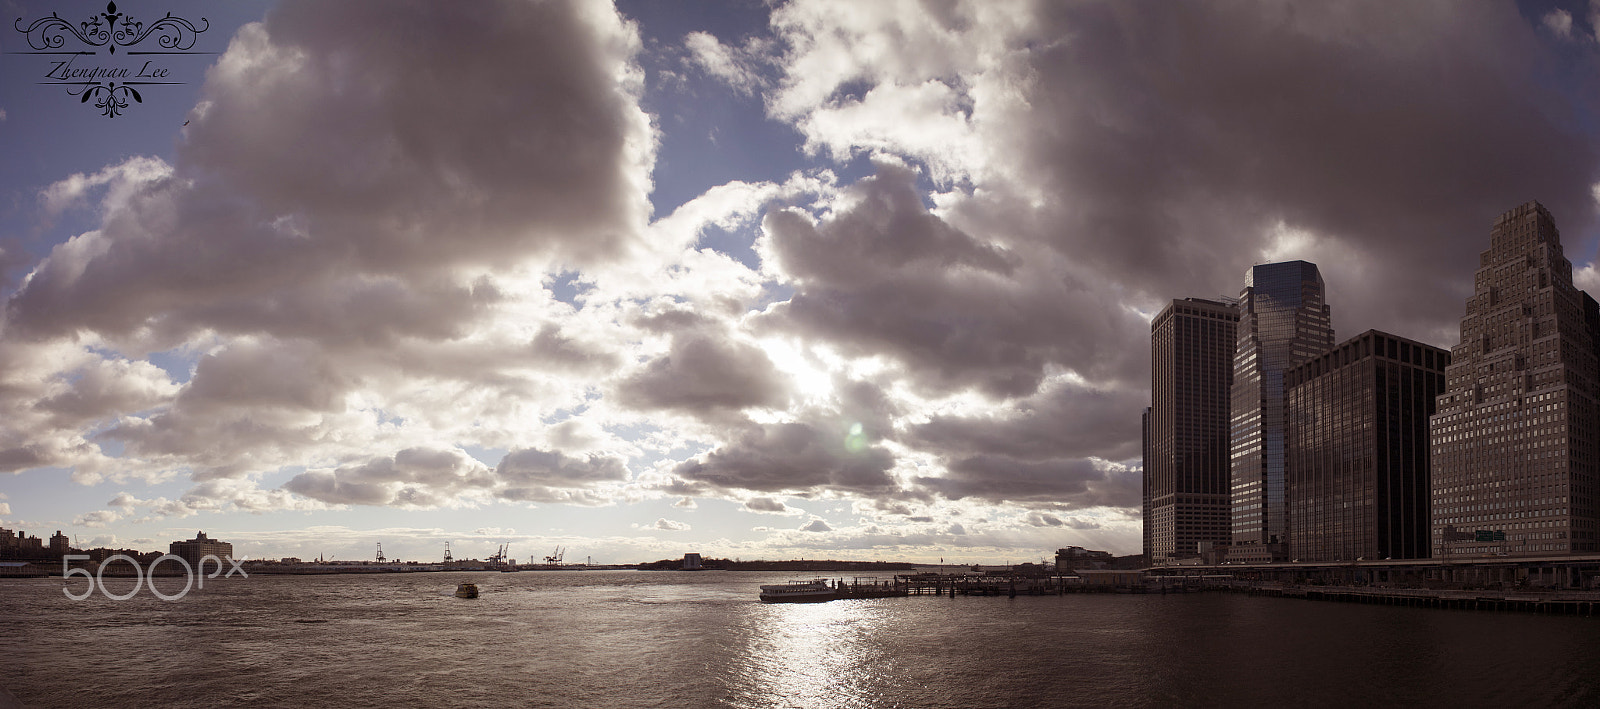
(685, 639)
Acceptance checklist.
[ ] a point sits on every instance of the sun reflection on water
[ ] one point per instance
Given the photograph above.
(810, 655)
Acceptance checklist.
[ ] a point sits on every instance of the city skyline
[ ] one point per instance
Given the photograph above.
(813, 279)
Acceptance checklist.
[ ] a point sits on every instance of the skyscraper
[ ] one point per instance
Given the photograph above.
(1283, 321)
(1186, 428)
(1514, 459)
(1356, 452)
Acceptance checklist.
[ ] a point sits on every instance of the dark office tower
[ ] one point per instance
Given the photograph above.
(1514, 449)
(1283, 321)
(1356, 451)
(1186, 450)
(1144, 421)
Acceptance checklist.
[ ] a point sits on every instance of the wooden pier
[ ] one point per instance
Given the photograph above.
(1582, 604)
(869, 588)
(976, 584)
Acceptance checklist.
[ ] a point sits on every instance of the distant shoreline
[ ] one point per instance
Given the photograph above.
(276, 569)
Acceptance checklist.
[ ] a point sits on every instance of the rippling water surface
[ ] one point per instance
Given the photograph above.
(678, 639)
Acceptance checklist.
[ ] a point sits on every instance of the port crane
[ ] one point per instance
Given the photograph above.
(499, 554)
(447, 557)
(380, 552)
(556, 557)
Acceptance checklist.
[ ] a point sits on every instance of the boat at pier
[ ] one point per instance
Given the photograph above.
(816, 591)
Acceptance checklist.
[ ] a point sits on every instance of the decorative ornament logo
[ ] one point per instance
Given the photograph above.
(110, 29)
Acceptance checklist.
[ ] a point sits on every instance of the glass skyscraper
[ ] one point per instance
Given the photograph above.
(1283, 322)
(1357, 449)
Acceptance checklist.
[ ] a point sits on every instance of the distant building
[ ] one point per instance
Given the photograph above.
(1356, 452)
(60, 545)
(26, 547)
(1516, 460)
(1186, 428)
(691, 562)
(198, 548)
(1283, 321)
(1079, 558)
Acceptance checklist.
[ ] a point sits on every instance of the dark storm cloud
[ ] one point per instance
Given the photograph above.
(885, 276)
(1040, 519)
(1066, 421)
(831, 447)
(331, 179)
(1055, 484)
(706, 373)
(355, 187)
(22, 458)
(1395, 132)
(794, 457)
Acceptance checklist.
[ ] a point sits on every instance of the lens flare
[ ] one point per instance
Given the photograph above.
(856, 440)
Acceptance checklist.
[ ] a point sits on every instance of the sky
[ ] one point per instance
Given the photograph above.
(808, 279)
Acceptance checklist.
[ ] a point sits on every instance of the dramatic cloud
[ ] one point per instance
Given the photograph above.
(547, 476)
(886, 276)
(1378, 142)
(414, 476)
(349, 246)
(1064, 420)
(254, 217)
(1054, 484)
(376, 264)
(705, 372)
(792, 457)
